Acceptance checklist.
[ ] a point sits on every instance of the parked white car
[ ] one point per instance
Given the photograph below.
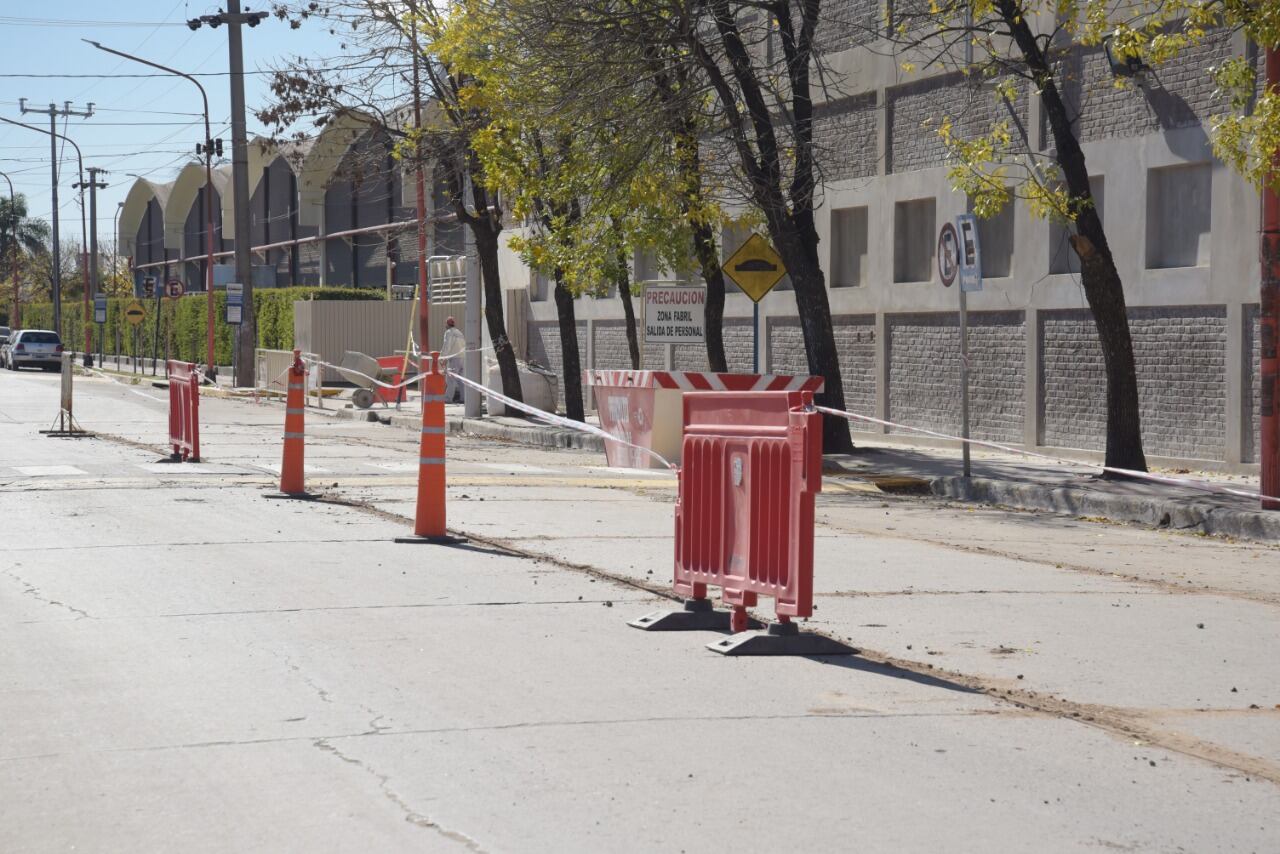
(34, 348)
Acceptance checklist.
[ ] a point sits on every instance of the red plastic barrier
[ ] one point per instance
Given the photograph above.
(752, 464)
(184, 411)
(390, 395)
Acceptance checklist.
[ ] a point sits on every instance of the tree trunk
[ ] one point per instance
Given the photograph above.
(1103, 288)
(623, 283)
(487, 251)
(801, 258)
(572, 370)
(704, 249)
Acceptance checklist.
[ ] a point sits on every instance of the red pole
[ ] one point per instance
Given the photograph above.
(208, 232)
(424, 309)
(1269, 322)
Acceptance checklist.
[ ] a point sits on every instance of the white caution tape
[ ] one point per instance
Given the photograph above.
(413, 379)
(1138, 475)
(558, 420)
(126, 386)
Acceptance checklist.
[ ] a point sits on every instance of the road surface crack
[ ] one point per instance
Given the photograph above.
(410, 814)
(34, 592)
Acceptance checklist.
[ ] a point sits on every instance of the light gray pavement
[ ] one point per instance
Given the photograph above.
(191, 667)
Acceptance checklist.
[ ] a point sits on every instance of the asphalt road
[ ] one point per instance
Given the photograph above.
(187, 666)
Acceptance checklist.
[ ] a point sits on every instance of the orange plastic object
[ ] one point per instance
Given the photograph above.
(752, 464)
(429, 517)
(292, 474)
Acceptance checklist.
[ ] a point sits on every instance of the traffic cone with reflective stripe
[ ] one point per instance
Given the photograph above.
(429, 517)
(292, 473)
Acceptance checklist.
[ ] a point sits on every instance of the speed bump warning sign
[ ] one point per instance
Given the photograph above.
(755, 267)
(135, 313)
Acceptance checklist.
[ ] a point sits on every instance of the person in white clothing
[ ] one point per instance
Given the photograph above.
(451, 350)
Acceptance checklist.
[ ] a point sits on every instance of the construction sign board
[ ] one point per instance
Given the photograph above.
(674, 314)
(135, 313)
(755, 267)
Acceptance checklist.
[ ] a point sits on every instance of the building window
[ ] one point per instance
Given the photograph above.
(848, 247)
(995, 236)
(1062, 258)
(542, 287)
(914, 234)
(1178, 215)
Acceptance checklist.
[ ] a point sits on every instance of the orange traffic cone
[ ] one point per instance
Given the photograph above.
(292, 473)
(429, 516)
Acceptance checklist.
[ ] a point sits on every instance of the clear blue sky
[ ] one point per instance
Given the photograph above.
(148, 126)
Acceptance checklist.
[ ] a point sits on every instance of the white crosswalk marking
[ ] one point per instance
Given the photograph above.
(48, 471)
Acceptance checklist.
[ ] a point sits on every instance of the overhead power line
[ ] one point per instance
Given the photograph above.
(41, 76)
(9, 20)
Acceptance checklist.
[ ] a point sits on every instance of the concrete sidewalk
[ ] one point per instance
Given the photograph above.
(1071, 488)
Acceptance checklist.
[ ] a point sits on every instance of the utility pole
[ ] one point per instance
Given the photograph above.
(91, 282)
(94, 186)
(54, 111)
(246, 333)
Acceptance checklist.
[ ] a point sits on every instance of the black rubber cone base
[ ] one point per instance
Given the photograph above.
(299, 496)
(444, 540)
(779, 639)
(696, 615)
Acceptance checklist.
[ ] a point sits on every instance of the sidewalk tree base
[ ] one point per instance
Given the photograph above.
(696, 615)
(442, 540)
(780, 639)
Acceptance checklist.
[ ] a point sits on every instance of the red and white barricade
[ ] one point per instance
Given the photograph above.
(644, 407)
(184, 411)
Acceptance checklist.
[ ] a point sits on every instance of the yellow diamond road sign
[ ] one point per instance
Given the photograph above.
(755, 268)
(135, 313)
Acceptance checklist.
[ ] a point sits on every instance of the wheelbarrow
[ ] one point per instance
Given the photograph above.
(358, 368)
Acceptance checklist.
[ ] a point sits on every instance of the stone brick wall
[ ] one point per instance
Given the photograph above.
(917, 109)
(544, 347)
(1180, 354)
(843, 24)
(611, 349)
(844, 137)
(856, 345)
(737, 349)
(1178, 94)
(1252, 385)
(924, 373)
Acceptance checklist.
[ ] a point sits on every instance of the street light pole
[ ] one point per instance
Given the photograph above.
(246, 333)
(54, 136)
(54, 111)
(211, 369)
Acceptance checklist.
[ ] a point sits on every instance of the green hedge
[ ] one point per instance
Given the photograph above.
(183, 322)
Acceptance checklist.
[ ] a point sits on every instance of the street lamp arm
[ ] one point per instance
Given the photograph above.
(79, 158)
(203, 95)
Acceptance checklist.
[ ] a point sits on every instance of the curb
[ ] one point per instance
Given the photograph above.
(1182, 515)
(1189, 515)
